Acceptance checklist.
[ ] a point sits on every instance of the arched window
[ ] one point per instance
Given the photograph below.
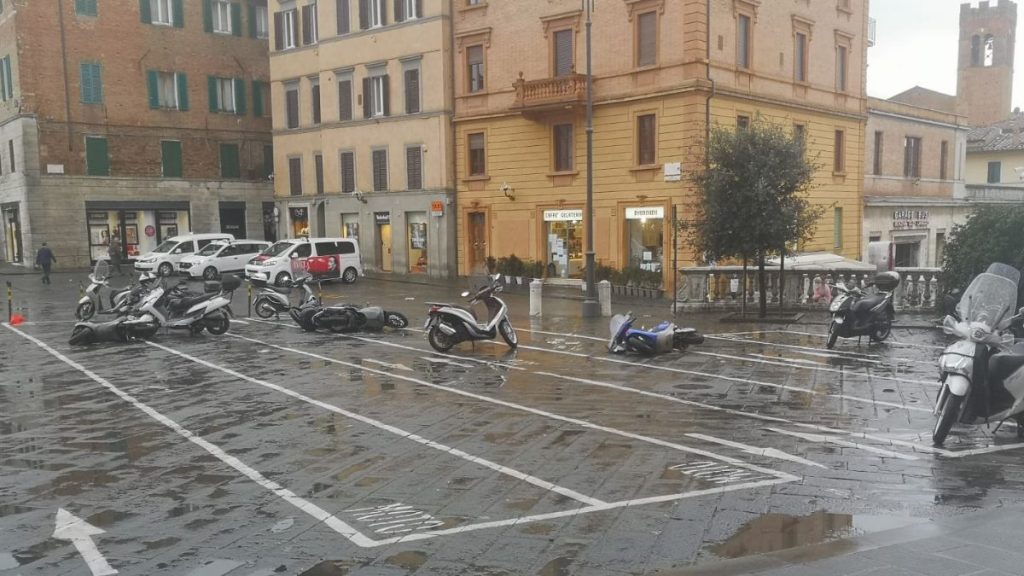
(975, 50)
(990, 45)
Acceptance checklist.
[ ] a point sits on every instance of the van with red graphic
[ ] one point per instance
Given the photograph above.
(321, 258)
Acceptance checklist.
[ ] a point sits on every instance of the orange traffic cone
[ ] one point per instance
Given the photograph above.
(17, 319)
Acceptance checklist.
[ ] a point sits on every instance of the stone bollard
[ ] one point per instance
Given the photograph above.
(536, 293)
(604, 296)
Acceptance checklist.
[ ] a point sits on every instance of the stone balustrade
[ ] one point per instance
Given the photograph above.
(568, 89)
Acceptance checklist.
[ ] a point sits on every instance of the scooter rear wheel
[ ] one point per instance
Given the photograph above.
(81, 335)
(881, 331)
(833, 335)
(396, 320)
(439, 340)
(264, 309)
(85, 310)
(217, 323)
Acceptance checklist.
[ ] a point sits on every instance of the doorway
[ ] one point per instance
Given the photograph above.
(232, 219)
(384, 249)
(12, 234)
(477, 236)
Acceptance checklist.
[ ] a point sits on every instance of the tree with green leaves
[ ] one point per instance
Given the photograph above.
(752, 196)
(991, 234)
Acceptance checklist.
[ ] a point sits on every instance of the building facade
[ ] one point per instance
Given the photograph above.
(663, 70)
(362, 128)
(167, 133)
(985, 63)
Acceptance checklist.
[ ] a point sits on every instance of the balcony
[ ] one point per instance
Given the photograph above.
(549, 93)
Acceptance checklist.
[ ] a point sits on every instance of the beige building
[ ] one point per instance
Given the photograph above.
(995, 153)
(362, 100)
(663, 69)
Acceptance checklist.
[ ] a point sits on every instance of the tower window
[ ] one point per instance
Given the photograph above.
(990, 48)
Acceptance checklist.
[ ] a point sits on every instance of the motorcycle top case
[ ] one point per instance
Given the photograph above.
(887, 280)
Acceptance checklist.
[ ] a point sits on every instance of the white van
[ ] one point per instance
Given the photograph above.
(275, 263)
(164, 258)
(219, 258)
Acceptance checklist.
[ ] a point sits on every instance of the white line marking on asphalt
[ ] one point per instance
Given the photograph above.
(840, 442)
(79, 532)
(538, 412)
(242, 322)
(785, 364)
(890, 342)
(388, 364)
(313, 510)
(386, 427)
(851, 356)
(768, 452)
(446, 361)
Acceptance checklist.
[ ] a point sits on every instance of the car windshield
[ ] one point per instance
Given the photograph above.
(277, 249)
(210, 249)
(166, 246)
(988, 299)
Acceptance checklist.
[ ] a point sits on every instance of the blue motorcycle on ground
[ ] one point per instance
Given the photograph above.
(664, 337)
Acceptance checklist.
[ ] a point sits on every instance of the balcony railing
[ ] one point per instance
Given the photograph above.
(549, 92)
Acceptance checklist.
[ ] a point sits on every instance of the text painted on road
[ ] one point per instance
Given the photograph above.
(395, 518)
(716, 472)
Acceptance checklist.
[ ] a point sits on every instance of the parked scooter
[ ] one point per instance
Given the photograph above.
(982, 374)
(271, 300)
(92, 302)
(450, 324)
(856, 314)
(126, 327)
(665, 337)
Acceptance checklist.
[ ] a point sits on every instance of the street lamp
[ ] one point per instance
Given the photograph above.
(591, 307)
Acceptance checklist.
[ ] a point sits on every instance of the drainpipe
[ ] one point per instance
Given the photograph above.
(453, 214)
(707, 68)
(64, 65)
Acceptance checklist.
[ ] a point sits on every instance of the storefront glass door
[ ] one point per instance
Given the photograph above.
(417, 241)
(563, 236)
(645, 238)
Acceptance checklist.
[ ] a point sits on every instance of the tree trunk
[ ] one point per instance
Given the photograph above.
(743, 308)
(782, 280)
(762, 278)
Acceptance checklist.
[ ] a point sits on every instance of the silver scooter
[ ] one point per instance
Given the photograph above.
(450, 324)
(91, 301)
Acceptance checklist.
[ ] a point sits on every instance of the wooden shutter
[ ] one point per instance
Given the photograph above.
(399, 10)
(292, 107)
(239, 96)
(646, 150)
(236, 19)
(251, 13)
(170, 153)
(385, 83)
(563, 52)
(414, 167)
(364, 14)
(207, 16)
(344, 25)
(153, 87)
(380, 170)
(257, 98)
(181, 82)
(345, 100)
(144, 12)
(178, 9)
(367, 96)
(278, 31)
(307, 24)
(419, 8)
(211, 90)
(318, 167)
(315, 93)
(348, 172)
(563, 147)
(295, 176)
(647, 41)
(97, 160)
(412, 91)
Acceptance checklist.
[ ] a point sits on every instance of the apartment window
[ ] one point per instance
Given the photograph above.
(646, 150)
(940, 248)
(268, 161)
(842, 63)
(226, 95)
(97, 158)
(315, 99)
(318, 168)
(167, 90)
(344, 23)
(912, 157)
(260, 98)
(170, 159)
(160, 12)
(562, 135)
(943, 159)
(837, 227)
(286, 29)
(647, 39)
(475, 67)
(563, 53)
(310, 32)
(414, 167)
(83, 7)
(91, 82)
(408, 10)
(800, 57)
(995, 172)
(412, 91)
(743, 38)
(348, 172)
(380, 170)
(742, 122)
(291, 103)
(220, 15)
(345, 99)
(879, 143)
(371, 14)
(477, 155)
(230, 166)
(6, 79)
(800, 134)
(295, 176)
(376, 96)
(839, 151)
(474, 2)
(259, 20)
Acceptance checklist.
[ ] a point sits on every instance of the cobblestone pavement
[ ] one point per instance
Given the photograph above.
(270, 450)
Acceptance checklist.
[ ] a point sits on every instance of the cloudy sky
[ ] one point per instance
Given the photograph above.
(916, 44)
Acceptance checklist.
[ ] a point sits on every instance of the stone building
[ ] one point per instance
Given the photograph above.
(139, 120)
(985, 63)
(362, 98)
(664, 70)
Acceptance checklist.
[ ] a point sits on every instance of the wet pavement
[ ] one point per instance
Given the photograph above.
(270, 450)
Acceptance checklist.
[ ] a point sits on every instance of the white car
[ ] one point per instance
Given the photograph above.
(220, 258)
(164, 259)
(339, 256)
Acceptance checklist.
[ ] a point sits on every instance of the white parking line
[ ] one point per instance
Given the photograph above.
(890, 342)
(840, 442)
(768, 452)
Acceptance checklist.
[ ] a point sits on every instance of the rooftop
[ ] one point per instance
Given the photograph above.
(1001, 136)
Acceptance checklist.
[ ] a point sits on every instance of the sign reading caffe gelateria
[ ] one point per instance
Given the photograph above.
(909, 219)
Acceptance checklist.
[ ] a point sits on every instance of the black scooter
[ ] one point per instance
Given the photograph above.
(345, 318)
(856, 314)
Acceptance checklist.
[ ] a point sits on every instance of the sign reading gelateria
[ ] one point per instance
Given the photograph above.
(569, 215)
(909, 219)
(647, 212)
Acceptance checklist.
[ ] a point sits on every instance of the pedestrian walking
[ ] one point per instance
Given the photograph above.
(114, 251)
(45, 260)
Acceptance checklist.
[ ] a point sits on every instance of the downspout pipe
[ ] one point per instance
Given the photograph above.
(707, 68)
(64, 65)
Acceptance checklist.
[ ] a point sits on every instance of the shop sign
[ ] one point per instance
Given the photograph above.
(382, 217)
(150, 231)
(570, 215)
(437, 208)
(909, 219)
(297, 213)
(97, 216)
(648, 212)
(168, 216)
(673, 171)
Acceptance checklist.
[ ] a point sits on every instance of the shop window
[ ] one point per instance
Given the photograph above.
(299, 218)
(646, 39)
(97, 160)
(645, 237)
(417, 241)
(348, 172)
(414, 167)
(563, 233)
(380, 170)
(911, 157)
(91, 82)
(477, 155)
(295, 176)
(995, 172)
(350, 226)
(170, 159)
(229, 161)
(475, 68)
(562, 136)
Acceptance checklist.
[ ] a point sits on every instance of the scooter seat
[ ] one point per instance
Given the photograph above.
(1001, 365)
(866, 303)
(186, 303)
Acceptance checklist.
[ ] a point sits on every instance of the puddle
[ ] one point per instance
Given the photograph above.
(107, 518)
(163, 543)
(773, 532)
(12, 509)
(410, 560)
(331, 568)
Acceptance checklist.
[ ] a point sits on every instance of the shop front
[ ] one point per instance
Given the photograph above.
(139, 227)
(645, 237)
(298, 221)
(563, 241)
(13, 243)
(417, 242)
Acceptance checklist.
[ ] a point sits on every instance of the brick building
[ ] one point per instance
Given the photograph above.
(985, 64)
(132, 119)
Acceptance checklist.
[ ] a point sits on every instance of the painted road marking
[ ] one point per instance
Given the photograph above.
(840, 442)
(306, 506)
(387, 427)
(714, 472)
(79, 532)
(446, 361)
(839, 355)
(768, 452)
(388, 365)
(893, 342)
(395, 518)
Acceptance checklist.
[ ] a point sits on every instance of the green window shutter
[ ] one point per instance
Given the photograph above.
(207, 16)
(97, 160)
(10, 78)
(257, 98)
(239, 96)
(171, 157)
(144, 12)
(182, 83)
(252, 20)
(152, 83)
(85, 80)
(179, 13)
(211, 84)
(97, 82)
(236, 18)
(229, 166)
(91, 83)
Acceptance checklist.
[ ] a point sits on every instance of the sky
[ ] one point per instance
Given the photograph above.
(916, 45)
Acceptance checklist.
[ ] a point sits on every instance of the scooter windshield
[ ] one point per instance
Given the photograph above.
(618, 325)
(102, 270)
(989, 299)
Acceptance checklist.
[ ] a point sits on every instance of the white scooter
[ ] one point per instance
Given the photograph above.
(178, 309)
(92, 301)
(450, 324)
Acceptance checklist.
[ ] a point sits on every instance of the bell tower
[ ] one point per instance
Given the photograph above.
(985, 67)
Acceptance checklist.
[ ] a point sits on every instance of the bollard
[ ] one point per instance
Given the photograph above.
(248, 289)
(320, 291)
(10, 302)
(536, 293)
(604, 296)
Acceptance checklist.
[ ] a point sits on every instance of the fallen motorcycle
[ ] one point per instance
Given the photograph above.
(343, 318)
(665, 337)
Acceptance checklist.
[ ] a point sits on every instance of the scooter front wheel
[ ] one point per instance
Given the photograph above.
(833, 335)
(508, 333)
(217, 323)
(264, 309)
(950, 411)
(85, 310)
(396, 320)
(81, 335)
(439, 340)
